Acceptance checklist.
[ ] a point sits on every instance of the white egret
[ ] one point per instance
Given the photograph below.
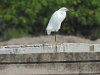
(55, 22)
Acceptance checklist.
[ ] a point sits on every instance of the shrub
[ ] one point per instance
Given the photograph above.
(20, 18)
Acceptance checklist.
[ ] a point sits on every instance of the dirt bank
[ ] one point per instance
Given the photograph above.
(47, 39)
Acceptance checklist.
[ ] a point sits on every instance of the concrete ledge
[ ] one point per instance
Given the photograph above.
(51, 68)
(66, 58)
(50, 57)
(49, 48)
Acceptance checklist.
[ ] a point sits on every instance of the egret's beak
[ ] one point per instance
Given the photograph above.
(69, 10)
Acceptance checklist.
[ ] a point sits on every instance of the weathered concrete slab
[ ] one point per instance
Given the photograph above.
(50, 68)
(77, 47)
(47, 48)
(50, 57)
(96, 47)
(66, 58)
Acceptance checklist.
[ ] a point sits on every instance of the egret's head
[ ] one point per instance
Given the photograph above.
(64, 9)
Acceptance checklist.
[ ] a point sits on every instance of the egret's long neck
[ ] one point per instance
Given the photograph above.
(62, 12)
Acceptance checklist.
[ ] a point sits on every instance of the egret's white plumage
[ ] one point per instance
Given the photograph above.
(56, 20)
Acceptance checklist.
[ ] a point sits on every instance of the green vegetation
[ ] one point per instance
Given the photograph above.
(19, 18)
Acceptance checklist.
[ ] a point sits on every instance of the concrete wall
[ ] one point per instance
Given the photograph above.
(50, 59)
(50, 48)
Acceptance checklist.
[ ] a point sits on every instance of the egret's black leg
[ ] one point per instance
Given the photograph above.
(55, 36)
(56, 39)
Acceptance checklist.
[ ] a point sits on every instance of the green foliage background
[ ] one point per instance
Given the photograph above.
(19, 18)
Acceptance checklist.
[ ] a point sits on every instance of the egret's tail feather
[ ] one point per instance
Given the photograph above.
(49, 29)
(48, 32)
